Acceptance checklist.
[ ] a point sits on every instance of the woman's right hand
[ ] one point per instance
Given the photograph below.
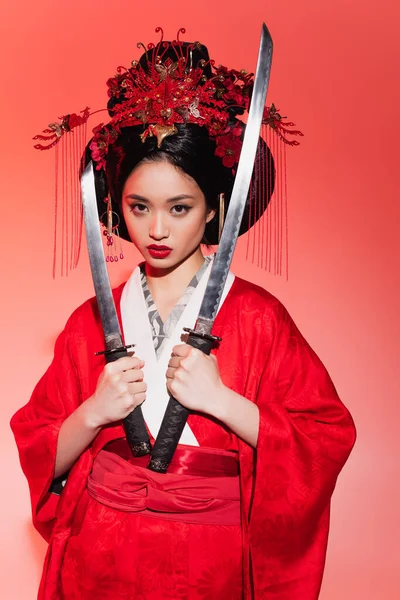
(120, 388)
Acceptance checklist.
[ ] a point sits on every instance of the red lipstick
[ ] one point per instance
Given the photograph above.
(156, 251)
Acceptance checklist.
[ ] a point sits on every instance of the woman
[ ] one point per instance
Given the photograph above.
(244, 509)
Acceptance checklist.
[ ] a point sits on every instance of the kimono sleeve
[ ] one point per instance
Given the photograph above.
(36, 427)
(305, 437)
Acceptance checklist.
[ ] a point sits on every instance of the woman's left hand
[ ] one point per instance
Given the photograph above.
(193, 379)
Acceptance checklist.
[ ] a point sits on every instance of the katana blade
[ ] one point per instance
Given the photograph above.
(134, 425)
(176, 415)
(101, 281)
(237, 203)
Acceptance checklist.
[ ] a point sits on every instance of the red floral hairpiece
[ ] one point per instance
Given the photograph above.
(169, 92)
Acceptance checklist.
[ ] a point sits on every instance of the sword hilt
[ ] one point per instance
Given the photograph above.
(134, 425)
(176, 415)
(120, 350)
(203, 336)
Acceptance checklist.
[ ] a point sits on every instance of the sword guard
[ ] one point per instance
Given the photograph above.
(204, 336)
(113, 350)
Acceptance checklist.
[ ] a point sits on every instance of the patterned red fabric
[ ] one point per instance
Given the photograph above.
(127, 486)
(305, 437)
(136, 558)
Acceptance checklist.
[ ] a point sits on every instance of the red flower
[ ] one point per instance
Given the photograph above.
(237, 130)
(114, 86)
(218, 124)
(235, 96)
(228, 148)
(102, 138)
(97, 155)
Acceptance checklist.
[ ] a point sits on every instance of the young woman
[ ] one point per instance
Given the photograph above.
(243, 511)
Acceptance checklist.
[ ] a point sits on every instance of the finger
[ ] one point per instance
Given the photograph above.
(139, 399)
(123, 364)
(170, 373)
(181, 350)
(139, 387)
(174, 362)
(138, 363)
(174, 387)
(132, 375)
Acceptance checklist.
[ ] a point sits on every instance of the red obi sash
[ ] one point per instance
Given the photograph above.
(201, 486)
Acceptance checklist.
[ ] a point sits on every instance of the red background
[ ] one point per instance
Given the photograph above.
(335, 73)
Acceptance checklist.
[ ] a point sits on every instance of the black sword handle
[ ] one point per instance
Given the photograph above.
(176, 415)
(134, 425)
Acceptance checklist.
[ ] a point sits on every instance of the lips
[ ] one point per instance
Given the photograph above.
(159, 251)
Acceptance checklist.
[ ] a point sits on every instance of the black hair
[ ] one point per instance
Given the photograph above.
(191, 149)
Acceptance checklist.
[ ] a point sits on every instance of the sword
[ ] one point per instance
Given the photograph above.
(134, 425)
(176, 415)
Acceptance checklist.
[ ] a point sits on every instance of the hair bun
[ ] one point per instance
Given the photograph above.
(197, 53)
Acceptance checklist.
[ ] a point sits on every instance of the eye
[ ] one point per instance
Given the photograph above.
(138, 208)
(180, 209)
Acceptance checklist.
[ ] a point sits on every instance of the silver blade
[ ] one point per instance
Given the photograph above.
(101, 281)
(223, 258)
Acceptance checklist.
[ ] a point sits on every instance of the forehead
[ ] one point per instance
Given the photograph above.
(160, 180)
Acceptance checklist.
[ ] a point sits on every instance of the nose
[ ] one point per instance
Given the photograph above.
(158, 228)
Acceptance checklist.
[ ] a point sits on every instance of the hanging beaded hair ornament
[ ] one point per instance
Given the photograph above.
(111, 229)
(157, 93)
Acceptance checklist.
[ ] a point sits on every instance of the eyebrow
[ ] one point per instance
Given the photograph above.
(169, 201)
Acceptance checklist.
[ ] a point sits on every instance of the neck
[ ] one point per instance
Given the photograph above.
(174, 280)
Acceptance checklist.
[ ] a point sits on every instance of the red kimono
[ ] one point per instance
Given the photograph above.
(305, 437)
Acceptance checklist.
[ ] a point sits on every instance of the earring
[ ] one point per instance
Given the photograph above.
(110, 232)
(221, 214)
